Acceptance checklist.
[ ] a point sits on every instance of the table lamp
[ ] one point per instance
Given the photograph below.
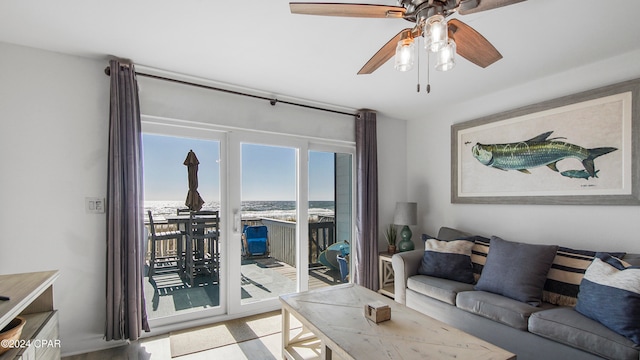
(406, 214)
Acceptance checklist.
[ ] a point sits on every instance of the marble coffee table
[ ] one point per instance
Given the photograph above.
(334, 325)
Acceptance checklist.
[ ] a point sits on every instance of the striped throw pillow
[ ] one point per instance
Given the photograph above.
(479, 254)
(610, 294)
(565, 275)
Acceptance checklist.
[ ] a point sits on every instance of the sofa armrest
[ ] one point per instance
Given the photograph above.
(404, 265)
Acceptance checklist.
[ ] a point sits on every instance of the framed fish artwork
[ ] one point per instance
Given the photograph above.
(581, 149)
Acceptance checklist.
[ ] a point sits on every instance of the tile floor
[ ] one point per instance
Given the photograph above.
(264, 348)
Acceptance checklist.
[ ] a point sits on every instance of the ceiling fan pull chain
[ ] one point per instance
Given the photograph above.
(428, 72)
(418, 87)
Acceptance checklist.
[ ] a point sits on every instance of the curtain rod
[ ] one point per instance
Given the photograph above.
(272, 101)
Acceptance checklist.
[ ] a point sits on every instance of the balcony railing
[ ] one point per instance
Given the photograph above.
(321, 236)
(282, 239)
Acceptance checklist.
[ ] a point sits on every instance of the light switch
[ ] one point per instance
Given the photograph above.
(100, 205)
(94, 205)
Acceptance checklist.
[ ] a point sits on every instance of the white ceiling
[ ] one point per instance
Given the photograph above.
(259, 44)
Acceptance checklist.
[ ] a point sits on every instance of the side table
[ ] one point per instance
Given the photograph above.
(385, 274)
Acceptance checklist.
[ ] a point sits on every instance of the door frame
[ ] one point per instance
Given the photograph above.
(230, 204)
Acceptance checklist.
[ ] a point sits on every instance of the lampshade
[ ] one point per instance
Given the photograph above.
(406, 213)
(445, 58)
(404, 55)
(435, 33)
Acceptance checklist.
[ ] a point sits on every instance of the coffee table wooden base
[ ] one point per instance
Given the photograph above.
(302, 344)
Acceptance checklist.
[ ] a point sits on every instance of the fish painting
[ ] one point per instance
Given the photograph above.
(536, 152)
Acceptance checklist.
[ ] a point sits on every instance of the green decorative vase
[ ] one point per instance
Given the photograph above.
(405, 244)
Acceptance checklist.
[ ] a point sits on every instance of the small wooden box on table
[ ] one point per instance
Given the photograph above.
(333, 323)
(31, 296)
(377, 311)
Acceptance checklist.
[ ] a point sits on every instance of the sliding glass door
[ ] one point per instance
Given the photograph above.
(292, 208)
(167, 293)
(330, 218)
(268, 217)
(285, 206)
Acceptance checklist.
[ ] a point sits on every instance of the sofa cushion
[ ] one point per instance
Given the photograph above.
(567, 326)
(516, 270)
(437, 288)
(610, 294)
(498, 308)
(446, 233)
(567, 270)
(448, 260)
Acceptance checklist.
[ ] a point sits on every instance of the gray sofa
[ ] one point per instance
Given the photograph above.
(544, 332)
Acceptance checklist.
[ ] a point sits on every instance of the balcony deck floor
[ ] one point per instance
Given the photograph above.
(167, 294)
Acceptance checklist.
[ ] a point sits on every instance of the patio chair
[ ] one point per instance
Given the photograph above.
(202, 249)
(173, 235)
(343, 261)
(255, 241)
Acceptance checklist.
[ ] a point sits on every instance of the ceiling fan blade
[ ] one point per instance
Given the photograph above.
(383, 55)
(350, 10)
(474, 6)
(471, 45)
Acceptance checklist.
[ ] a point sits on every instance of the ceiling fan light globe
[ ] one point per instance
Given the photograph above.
(435, 33)
(445, 58)
(405, 55)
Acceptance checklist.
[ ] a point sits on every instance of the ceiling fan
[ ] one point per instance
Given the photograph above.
(445, 38)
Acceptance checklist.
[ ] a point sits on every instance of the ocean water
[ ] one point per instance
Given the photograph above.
(250, 209)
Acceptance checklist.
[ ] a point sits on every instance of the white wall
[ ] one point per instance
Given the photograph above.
(392, 170)
(53, 149)
(163, 99)
(583, 227)
(54, 112)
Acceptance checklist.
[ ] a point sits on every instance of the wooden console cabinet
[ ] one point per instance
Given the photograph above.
(31, 296)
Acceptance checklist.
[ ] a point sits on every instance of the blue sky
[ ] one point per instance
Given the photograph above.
(268, 172)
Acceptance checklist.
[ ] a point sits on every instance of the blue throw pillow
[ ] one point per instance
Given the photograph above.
(516, 270)
(448, 260)
(610, 294)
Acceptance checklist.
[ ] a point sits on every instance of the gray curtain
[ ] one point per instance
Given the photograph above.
(366, 259)
(126, 313)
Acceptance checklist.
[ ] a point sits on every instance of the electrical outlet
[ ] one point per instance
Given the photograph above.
(94, 205)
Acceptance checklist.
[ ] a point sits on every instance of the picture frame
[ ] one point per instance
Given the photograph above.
(580, 149)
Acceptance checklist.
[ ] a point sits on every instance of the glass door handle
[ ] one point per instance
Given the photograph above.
(236, 221)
